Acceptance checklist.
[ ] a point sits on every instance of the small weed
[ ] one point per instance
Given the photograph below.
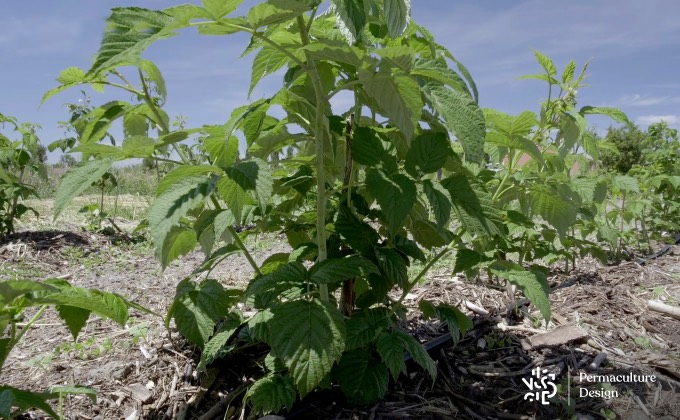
(643, 342)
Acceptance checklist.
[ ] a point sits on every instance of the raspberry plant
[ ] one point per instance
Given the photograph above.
(360, 192)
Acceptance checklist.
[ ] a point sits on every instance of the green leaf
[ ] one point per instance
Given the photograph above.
(130, 31)
(284, 278)
(254, 175)
(439, 202)
(568, 73)
(473, 206)
(428, 153)
(396, 96)
(459, 324)
(173, 204)
(552, 207)
(197, 308)
(138, 147)
(351, 16)
(24, 400)
(363, 327)
(339, 269)
(12, 289)
(275, 11)
(309, 336)
(223, 151)
(391, 350)
(417, 352)
(625, 183)
(463, 118)
(367, 149)
(213, 348)
(253, 120)
(396, 195)
(393, 266)
(68, 78)
(154, 74)
(546, 63)
(102, 303)
(135, 124)
(220, 8)
(78, 179)
(75, 390)
(179, 241)
(267, 61)
(183, 172)
(466, 259)
(75, 318)
(356, 233)
(534, 284)
(439, 71)
(334, 51)
(614, 113)
(362, 378)
(397, 16)
(272, 392)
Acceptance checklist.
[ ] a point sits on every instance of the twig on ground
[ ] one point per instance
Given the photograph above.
(222, 405)
(664, 309)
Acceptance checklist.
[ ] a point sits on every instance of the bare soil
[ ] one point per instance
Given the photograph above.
(142, 371)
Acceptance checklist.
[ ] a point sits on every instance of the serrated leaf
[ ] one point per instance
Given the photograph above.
(135, 124)
(362, 378)
(178, 241)
(102, 303)
(154, 74)
(614, 113)
(253, 120)
(459, 324)
(351, 18)
(462, 117)
(75, 318)
(428, 153)
(568, 73)
(625, 183)
(367, 149)
(396, 195)
(534, 284)
(391, 350)
(130, 31)
(309, 336)
(417, 352)
(284, 278)
(363, 327)
(439, 71)
(393, 265)
(546, 63)
(334, 51)
(12, 289)
(397, 96)
(397, 16)
(223, 151)
(552, 207)
(71, 75)
(220, 8)
(267, 61)
(439, 200)
(272, 392)
(213, 348)
(339, 269)
(358, 234)
(197, 308)
(138, 147)
(275, 11)
(473, 206)
(173, 204)
(466, 259)
(183, 172)
(78, 179)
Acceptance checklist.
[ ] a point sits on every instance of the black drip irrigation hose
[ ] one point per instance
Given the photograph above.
(663, 251)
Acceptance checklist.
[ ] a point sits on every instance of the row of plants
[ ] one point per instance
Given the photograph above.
(411, 171)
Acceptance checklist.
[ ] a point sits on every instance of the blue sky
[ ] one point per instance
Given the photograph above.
(633, 48)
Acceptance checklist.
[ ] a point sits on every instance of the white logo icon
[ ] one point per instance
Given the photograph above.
(539, 385)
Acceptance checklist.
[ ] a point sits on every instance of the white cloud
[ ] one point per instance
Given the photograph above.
(646, 100)
(651, 119)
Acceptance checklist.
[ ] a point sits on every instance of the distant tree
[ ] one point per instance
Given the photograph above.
(628, 142)
(67, 161)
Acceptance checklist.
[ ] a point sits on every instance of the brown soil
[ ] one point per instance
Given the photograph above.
(142, 371)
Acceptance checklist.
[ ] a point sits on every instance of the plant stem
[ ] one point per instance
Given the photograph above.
(238, 240)
(320, 135)
(29, 324)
